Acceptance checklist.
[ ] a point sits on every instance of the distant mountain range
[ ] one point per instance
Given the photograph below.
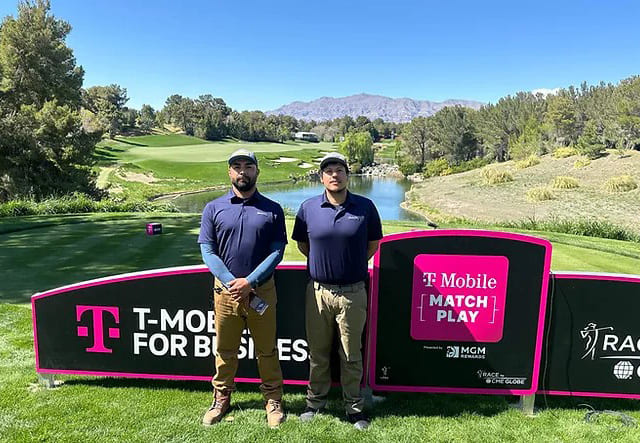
(389, 109)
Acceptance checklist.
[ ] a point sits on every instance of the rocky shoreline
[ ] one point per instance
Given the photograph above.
(374, 170)
(389, 170)
(381, 170)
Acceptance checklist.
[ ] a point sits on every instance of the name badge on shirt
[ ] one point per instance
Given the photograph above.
(265, 216)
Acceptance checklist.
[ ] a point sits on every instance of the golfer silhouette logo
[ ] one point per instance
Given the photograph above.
(590, 333)
(97, 325)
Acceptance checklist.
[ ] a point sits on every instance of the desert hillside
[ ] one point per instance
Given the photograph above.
(469, 195)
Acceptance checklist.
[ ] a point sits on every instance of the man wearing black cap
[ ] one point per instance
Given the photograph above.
(242, 239)
(338, 232)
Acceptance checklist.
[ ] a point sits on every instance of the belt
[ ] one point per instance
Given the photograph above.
(343, 288)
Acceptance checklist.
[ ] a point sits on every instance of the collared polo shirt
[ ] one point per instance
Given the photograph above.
(338, 237)
(241, 231)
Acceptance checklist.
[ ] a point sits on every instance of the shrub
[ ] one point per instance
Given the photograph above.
(532, 160)
(134, 206)
(565, 152)
(494, 176)
(69, 204)
(79, 203)
(15, 208)
(474, 163)
(539, 194)
(435, 167)
(586, 227)
(624, 152)
(355, 168)
(447, 171)
(581, 162)
(441, 167)
(622, 183)
(407, 167)
(563, 182)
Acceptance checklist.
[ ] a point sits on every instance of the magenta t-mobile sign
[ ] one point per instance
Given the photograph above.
(156, 324)
(458, 311)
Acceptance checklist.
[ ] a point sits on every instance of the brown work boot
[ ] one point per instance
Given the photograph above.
(275, 413)
(219, 407)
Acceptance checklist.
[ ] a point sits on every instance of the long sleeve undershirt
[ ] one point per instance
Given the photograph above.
(215, 264)
(256, 277)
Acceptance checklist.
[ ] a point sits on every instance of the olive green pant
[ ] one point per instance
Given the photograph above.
(231, 318)
(326, 307)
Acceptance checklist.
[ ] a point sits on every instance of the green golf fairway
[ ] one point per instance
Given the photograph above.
(59, 250)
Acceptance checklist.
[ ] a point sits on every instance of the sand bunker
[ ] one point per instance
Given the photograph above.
(305, 165)
(137, 177)
(286, 160)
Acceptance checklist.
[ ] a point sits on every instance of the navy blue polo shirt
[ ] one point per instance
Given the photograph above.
(338, 237)
(242, 231)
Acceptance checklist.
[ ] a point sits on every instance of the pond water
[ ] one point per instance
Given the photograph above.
(386, 193)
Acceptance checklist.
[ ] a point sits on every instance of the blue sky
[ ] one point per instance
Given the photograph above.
(263, 54)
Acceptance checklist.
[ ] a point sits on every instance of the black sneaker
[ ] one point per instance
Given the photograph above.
(308, 414)
(359, 420)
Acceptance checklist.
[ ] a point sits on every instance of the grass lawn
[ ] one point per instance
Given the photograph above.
(160, 140)
(39, 253)
(147, 166)
(44, 252)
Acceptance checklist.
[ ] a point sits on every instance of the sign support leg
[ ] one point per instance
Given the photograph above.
(367, 394)
(370, 400)
(526, 404)
(47, 380)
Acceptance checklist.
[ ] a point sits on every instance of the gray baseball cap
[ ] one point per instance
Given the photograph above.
(333, 157)
(243, 154)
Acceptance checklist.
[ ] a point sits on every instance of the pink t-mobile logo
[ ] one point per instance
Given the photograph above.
(98, 325)
(459, 297)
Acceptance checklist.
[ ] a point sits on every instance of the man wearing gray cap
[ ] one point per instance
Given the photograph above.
(242, 239)
(338, 232)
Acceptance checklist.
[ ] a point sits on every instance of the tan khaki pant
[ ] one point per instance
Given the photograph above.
(231, 319)
(326, 306)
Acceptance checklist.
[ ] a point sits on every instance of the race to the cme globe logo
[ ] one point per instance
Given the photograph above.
(459, 297)
(162, 332)
(602, 343)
